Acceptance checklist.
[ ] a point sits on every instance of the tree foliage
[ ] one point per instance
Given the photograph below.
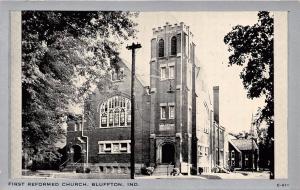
(64, 55)
(252, 47)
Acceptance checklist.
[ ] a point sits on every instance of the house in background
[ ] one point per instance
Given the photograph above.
(243, 150)
(243, 154)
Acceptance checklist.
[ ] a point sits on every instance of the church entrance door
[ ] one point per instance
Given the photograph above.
(77, 153)
(168, 153)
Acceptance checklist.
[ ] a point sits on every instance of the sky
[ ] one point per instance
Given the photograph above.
(209, 29)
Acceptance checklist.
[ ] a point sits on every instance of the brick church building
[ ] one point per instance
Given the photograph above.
(175, 121)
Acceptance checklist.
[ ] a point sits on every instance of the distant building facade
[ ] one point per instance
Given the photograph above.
(217, 136)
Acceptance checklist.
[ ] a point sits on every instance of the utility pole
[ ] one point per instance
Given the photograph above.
(218, 145)
(132, 47)
(252, 156)
(252, 146)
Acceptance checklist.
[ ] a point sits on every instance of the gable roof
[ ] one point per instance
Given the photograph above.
(244, 144)
(127, 64)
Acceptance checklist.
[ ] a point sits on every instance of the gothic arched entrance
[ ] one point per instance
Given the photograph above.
(168, 153)
(77, 153)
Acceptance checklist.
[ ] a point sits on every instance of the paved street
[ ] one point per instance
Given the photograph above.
(232, 175)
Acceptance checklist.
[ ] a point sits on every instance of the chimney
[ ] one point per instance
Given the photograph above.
(216, 103)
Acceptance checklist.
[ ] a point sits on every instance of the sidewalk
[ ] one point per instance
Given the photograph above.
(71, 175)
(232, 175)
(170, 177)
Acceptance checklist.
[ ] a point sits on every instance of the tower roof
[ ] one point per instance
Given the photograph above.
(174, 27)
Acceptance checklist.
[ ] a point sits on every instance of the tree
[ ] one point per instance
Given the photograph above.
(65, 54)
(265, 149)
(252, 48)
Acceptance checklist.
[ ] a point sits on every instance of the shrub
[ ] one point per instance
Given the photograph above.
(147, 170)
(79, 170)
(175, 171)
(87, 170)
(193, 170)
(200, 170)
(215, 170)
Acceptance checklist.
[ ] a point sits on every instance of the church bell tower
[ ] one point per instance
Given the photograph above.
(172, 92)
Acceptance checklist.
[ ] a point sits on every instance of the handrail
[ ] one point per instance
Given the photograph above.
(60, 166)
(78, 161)
(168, 168)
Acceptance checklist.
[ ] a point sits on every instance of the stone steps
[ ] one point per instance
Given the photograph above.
(163, 170)
(71, 167)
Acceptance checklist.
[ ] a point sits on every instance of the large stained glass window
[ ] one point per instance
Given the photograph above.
(115, 112)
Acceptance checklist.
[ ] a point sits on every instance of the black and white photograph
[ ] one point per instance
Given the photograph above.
(149, 95)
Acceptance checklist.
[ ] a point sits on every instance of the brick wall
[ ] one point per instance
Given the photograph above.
(182, 93)
(95, 133)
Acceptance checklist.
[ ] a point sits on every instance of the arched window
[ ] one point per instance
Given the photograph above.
(173, 45)
(111, 118)
(116, 117)
(122, 117)
(104, 120)
(128, 114)
(117, 74)
(161, 48)
(115, 112)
